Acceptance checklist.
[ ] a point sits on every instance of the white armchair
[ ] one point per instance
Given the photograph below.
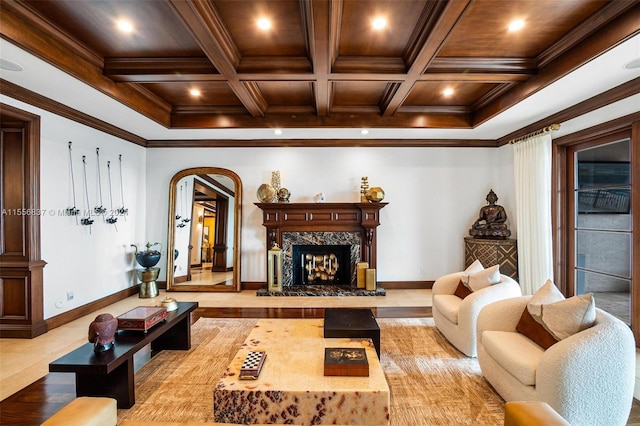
(456, 318)
(588, 378)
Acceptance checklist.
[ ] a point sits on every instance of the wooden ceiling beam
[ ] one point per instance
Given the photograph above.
(316, 15)
(209, 31)
(368, 65)
(439, 23)
(474, 64)
(160, 69)
(179, 69)
(219, 120)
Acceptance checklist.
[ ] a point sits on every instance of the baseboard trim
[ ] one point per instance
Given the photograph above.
(387, 285)
(80, 311)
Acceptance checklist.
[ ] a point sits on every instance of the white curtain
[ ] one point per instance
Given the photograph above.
(532, 168)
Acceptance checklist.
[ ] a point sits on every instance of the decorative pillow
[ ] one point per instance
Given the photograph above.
(549, 317)
(548, 293)
(482, 279)
(568, 317)
(462, 290)
(532, 329)
(476, 266)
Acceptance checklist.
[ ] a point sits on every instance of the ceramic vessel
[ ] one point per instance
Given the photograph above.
(148, 258)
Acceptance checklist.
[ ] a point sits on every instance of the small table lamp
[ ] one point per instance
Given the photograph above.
(274, 268)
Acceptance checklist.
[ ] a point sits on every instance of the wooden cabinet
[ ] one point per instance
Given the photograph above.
(492, 252)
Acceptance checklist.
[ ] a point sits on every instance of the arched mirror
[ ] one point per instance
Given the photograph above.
(204, 230)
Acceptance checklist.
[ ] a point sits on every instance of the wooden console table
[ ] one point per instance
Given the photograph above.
(493, 252)
(111, 373)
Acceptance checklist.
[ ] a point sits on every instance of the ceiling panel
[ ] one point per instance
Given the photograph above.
(426, 93)
(211, 93)
(284, 38)
(287, 93)
(359, 38)
(358, 93)
(156, 29)
(483, 30)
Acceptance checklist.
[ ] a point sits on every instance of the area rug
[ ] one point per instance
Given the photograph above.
(431, 383)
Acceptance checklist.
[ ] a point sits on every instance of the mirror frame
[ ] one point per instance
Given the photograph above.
(171, 286)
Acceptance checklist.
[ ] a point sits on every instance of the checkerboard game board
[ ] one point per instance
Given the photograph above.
(252, 365)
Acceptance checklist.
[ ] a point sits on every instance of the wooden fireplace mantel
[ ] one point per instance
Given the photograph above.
(324, 217)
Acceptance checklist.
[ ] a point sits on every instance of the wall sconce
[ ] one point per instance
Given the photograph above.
(274, 269)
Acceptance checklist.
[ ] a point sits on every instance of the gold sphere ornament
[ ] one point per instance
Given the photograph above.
(375, 194)
(266, 193)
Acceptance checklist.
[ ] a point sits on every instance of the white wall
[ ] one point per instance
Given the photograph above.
(89, 261)
(434, 195)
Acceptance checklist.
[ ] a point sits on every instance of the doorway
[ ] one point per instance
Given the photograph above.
(602, 225)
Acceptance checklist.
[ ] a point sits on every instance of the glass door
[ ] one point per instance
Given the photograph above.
(603, 225)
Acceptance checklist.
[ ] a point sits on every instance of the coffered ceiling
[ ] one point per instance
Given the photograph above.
(320, 64)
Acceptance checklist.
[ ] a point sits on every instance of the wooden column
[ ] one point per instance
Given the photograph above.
(21, 290)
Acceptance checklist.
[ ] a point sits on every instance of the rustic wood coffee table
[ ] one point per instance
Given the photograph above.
(347, 322)
(292, 387)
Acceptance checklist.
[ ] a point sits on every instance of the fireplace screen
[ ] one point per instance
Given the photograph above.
(321, 264)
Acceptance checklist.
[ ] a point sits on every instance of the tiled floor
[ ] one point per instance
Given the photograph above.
(23, 361)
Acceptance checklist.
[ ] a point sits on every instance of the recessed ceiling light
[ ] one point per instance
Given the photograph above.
(8, 65)
(632, 65)
(516, 25)
(448, 91)
(195, 93)
(277, 131)
(364, 132)
(379, 23)
(125, 26)
(264, 24)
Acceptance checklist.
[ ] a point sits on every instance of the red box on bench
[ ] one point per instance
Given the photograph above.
(141, 318)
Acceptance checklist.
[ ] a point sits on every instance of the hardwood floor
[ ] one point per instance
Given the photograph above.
(38, 399)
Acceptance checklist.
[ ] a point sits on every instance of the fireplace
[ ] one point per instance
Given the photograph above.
(321, 264)
(317, 231)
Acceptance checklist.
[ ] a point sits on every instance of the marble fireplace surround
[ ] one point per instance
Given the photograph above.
(352, 224)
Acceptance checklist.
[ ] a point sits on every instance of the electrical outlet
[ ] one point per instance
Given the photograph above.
(69, 295)
(59, 303)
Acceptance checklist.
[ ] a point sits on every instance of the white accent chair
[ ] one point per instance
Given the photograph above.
(588, 378)
(456, 318)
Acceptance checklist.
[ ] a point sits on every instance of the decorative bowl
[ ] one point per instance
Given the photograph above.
(169, 303)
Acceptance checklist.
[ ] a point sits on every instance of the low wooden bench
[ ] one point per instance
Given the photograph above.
(111, 373)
